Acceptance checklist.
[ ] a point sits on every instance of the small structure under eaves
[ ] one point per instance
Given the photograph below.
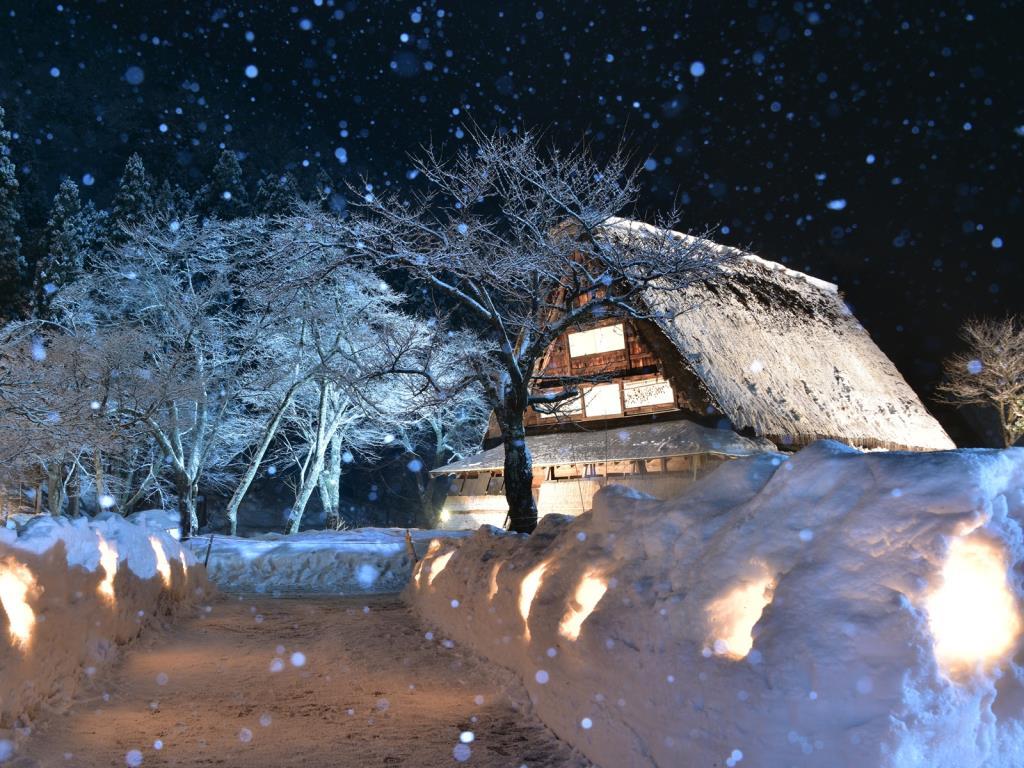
(765, 357)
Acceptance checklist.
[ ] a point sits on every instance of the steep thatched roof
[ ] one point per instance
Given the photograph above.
(645, 441)
(779, 352)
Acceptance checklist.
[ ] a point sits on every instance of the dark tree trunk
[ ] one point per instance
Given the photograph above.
(522, 509)
(55, 487)
(74, 491)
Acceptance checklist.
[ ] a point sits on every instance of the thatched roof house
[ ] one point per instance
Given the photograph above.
(780, 353)
(766, 352)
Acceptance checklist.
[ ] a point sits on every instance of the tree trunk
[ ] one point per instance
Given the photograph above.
(75, 491)
(257, 458)
(302, 497)
(55, 487)
(97, 464)
(522, 509)
(188, 520)
(330, 484)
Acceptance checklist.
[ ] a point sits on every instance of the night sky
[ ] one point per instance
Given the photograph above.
(877, 145)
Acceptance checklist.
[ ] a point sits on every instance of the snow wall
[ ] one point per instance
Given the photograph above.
(832, 608)
(71, 592)
(360, 561)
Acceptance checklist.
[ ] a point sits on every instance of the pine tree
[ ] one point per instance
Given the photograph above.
(172, 202)
(134, 200)
(69, 233)
(12, 262)
(225, 196)
(276, 195)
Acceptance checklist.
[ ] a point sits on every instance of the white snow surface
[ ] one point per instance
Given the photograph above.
(359, 561)
(842, 669)
(72, 611)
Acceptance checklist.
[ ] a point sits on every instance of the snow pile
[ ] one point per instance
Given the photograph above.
(834, 608)
(361, 561)
(71, 591)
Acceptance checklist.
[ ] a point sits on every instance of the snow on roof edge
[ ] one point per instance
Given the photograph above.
(618, 222)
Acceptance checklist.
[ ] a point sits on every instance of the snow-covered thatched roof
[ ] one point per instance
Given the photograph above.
(781, 353)
(645, 441)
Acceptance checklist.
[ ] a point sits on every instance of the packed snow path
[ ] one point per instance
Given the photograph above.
(296, 682)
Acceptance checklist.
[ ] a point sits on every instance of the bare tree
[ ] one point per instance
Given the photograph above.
(179, 356)
(989, 372)
(517, 238)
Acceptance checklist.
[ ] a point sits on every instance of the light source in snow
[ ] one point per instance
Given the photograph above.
(184, 563)
(162, 566)
(732, 617)
(16, 584)
(108, 562)
(972, 613)
(527, 591)
(438, 564)
(588, 594)
(445, 515)
(493, 590)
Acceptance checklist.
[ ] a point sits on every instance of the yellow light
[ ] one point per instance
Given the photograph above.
(588, 594)
(438, 564)
(445, 515)
(972, 614)
(732, 617)
(184, 563)
(527, 591)
(108, 562)
(162, 566)
(16, 584)
(493, 590)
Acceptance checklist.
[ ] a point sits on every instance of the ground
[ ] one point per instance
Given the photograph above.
(372, 688)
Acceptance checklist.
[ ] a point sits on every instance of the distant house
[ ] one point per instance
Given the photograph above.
(766, 357)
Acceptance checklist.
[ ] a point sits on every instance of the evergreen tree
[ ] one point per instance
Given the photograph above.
(225, 196)
(276, 195)
(68, 235)
(134, 200)
(12, 262)
(172, 202)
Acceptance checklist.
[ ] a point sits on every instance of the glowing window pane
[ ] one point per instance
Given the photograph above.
(602, 400)
(609, 338)
(639, 394)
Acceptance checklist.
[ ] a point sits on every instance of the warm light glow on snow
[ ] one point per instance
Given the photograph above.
(445, 515)
(973, 614)
(528, 591)
(108, 562)
(162, 566)
(16, 584)
(494, 582)
(437, 565)
(184, 563)
(588, 594)
(732, 617)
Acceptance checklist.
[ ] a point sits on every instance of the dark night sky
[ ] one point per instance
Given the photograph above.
(877, 145)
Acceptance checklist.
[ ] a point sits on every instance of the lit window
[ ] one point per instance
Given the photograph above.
(563, 408)
(645, 392)
(602, 400)
(609, 338)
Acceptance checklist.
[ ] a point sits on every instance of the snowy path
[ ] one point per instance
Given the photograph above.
(372, 691)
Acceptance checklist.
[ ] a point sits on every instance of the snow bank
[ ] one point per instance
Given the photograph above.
(834, 608)
(361, 561)
(70, 593)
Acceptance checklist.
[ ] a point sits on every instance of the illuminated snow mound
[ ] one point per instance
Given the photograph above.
(360, 561)
(831, 608)
(71, 593)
